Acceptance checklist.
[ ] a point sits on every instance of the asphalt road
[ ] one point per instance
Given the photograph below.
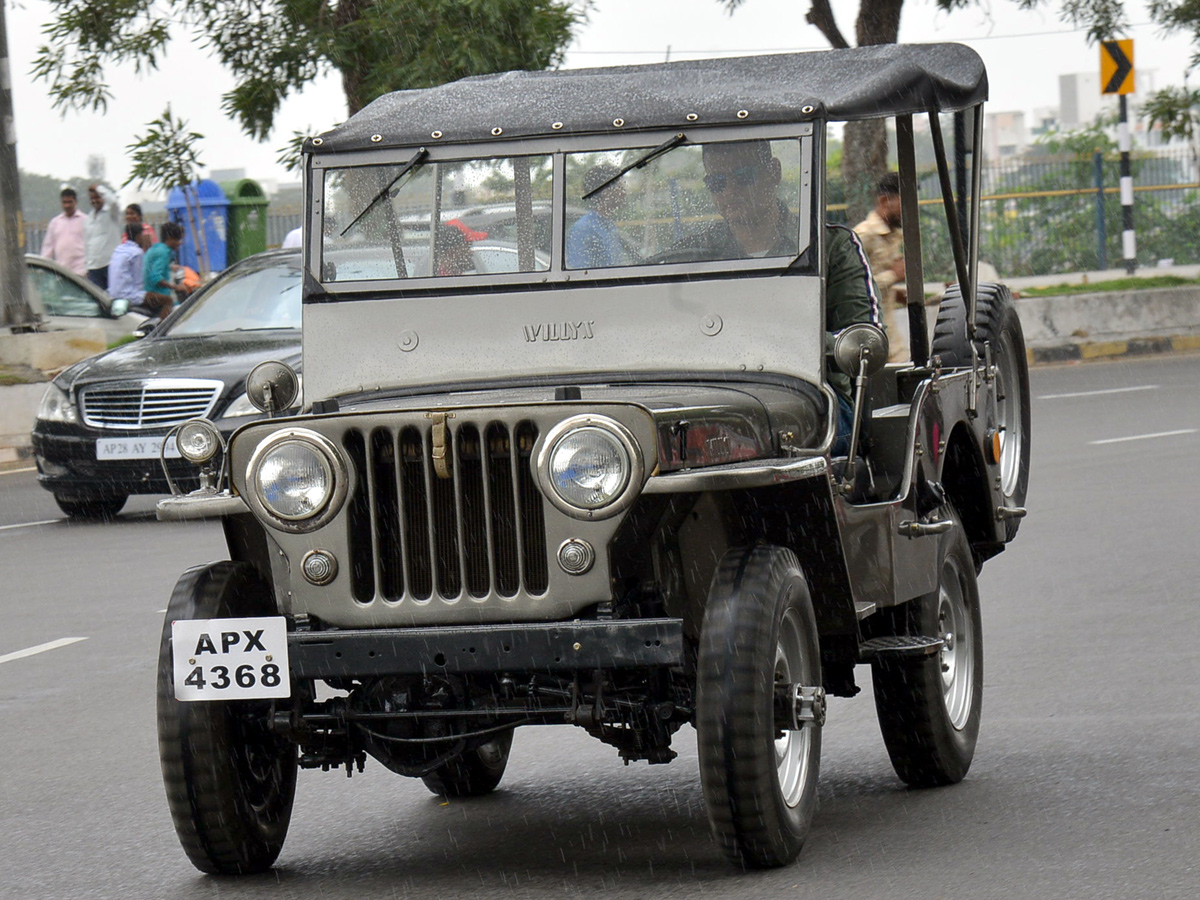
(1084, 783)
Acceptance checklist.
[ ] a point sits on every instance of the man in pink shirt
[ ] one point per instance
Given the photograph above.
(64, 235)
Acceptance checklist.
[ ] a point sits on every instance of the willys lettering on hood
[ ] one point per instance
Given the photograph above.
(559, 331)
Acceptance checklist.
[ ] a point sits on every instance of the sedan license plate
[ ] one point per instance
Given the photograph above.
(135, 448)
(230, 659)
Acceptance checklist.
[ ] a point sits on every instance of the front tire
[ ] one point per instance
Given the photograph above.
(759, 783)
(475, 773)
(230, 780)
(929, 708)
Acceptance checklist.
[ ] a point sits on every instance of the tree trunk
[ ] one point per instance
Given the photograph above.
(864, 153)
(353, 71)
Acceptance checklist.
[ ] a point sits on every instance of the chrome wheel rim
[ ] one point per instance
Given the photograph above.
(793, 749)
(1008, 417)
(957, 656)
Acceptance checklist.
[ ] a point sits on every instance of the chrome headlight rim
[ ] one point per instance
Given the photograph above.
(626, 440)
(335, 464)
(206, 425)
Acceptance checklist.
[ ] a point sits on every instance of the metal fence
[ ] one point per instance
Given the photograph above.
(1055, 214)
(1038, 215)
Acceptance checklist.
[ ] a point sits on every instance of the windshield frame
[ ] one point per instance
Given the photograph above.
(811, 182)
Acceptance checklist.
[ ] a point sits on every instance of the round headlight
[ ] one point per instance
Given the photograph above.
(294, 480)
(589, 467)
(198, 441)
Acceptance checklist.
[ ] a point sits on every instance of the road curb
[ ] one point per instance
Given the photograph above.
(1088, 350)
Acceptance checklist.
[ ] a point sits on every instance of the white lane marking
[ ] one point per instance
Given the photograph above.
(1124, 390)
(18, 471)
(1145, 437)
(30, 524)
(40, 648)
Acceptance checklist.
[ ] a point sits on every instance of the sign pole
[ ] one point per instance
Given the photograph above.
(1116, 77)
(1128, 236)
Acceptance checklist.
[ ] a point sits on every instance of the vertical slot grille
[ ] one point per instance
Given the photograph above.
(362, 562)
(503, 511)
(416, 521)
(478, 532)
(532, 519)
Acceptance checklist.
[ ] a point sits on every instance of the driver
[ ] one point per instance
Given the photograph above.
(743, 178)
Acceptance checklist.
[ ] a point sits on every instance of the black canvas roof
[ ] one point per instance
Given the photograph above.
(862, 82)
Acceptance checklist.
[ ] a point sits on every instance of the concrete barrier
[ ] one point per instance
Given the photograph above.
(51, 351)
(1111, 323)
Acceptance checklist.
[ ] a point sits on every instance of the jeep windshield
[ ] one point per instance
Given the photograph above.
(567, 213)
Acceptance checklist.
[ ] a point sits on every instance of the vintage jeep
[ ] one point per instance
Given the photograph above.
(568, 459)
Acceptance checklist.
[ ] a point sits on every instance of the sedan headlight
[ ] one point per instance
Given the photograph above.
(56, 406)
(297, 479)
(590, 467)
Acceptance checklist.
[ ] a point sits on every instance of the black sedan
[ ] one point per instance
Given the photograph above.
(102, 424)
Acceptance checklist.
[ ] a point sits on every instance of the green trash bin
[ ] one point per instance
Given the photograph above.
(247, 218)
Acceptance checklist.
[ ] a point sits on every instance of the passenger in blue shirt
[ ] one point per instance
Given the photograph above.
(158, 276)
(125, 268)
(593, 242)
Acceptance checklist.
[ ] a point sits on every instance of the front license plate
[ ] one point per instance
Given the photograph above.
(230, 659)
(135, 448)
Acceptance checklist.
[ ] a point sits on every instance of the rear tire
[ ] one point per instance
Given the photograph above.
(230, 780)
(997, 323)
(475, 773)
(929, 708)
(759, 784)
(102, 508)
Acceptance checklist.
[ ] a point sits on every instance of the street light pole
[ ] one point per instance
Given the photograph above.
(14, 306)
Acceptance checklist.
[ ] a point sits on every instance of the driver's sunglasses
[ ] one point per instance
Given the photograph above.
(742, 177)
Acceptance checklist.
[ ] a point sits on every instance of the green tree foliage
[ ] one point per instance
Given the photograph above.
(275, 47)
(1176, 110)
(168, 157)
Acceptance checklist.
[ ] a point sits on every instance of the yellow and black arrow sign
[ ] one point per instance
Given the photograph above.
(1116, 67)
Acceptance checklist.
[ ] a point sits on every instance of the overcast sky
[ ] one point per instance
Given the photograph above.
(1024, 53)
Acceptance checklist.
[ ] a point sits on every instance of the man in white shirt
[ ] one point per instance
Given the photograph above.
(64, 234)
(102, 233)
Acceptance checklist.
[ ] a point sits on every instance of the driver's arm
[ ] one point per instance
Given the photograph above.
(850, 292)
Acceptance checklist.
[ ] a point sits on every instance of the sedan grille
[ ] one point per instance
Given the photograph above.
(476, 528)
(159, 403)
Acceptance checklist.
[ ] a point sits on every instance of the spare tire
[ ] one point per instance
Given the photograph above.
(997, 324)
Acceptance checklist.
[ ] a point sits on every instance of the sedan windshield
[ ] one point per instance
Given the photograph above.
(262, 295)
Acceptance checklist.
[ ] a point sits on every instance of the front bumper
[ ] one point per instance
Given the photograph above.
(67, 465)
(553, 647)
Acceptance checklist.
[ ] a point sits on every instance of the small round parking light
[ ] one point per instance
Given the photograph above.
(319, 567)
(198, 441)
(576, 556)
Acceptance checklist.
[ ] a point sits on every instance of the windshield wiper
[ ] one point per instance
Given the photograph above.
(665, 147)
(417, 159)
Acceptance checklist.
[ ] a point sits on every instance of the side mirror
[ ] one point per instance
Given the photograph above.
(859, 341)
(119, 307)
(272, 386)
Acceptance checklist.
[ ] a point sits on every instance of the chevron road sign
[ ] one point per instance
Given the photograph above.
(1116, 67)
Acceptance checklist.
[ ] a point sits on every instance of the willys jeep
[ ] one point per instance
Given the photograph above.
(563, 457)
